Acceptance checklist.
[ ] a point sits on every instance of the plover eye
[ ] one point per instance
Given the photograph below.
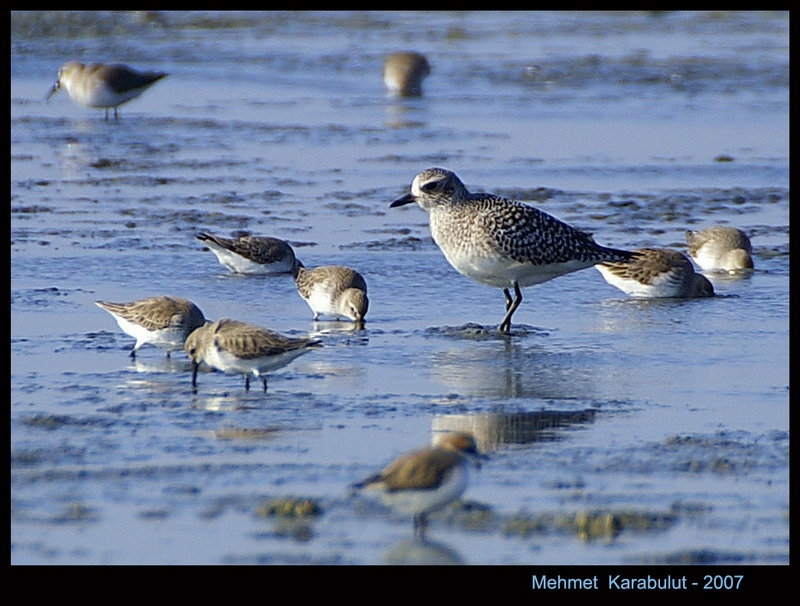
(430, 186)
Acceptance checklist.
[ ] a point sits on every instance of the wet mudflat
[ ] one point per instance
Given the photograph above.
(620, 431)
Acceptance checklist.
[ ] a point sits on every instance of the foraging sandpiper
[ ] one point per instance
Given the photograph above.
(720, 248)
(237, 347)
(251, 254)
(425, 480)
(657, 273)
(103, 85)
(161, 321)
(404, 72)
(333, 290)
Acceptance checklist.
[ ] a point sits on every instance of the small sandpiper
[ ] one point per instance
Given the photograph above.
(501, 242)
(404, 72)
(161, 321)
(425, 480)
(252, 254)
(657, 273)
(103, 85)
(720, 248)
(333, 290)
(237, 347)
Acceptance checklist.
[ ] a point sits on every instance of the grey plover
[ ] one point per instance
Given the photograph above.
(103, 85)
(404, 72)
(333, 290)
(422, 481)
(162, 321)
(720, 248)
(236, 347)
(251, 254)
(657, 273)
(501, 242)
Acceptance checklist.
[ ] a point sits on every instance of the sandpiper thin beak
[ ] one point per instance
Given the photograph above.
(195, 366)
(53, 90)
(476, 458)
(407, 199)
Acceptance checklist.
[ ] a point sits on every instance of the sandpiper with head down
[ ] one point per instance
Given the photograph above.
(251, 254)
(103, 85)
(501, 242)
(333, 290)
(720, 248)
(657, 273)
(238, 347)
(404, 72)
(161, 321)
(425, 480)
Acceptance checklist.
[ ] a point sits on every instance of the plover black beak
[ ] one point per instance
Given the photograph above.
(407, 199)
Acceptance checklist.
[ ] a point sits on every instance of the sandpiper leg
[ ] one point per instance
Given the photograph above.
(419, 525)
(264, 381)
(195, 366)
(247, 382)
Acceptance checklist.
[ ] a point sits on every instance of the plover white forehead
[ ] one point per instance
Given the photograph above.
(720, 248)
(424, 480)
(103, 85)
(251, 254)
(501, 242)
(657, 273)
(404, 72)
(333, 290)
(162, 321)
(236, 347)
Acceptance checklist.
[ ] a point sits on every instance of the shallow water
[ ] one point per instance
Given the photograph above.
(665, 420)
